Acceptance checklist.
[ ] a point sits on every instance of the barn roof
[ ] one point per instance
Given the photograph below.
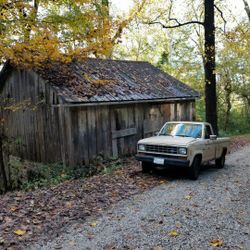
(99, 80)
(104, 80)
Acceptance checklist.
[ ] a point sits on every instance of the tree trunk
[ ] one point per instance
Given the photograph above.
(210, 77)
(247, 9)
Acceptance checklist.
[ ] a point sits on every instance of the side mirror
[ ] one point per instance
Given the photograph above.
(213, 137)
(156, 133)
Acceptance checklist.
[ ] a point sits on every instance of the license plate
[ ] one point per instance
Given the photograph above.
(159, 161)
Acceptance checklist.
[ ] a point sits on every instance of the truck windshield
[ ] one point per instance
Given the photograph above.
(182, 129)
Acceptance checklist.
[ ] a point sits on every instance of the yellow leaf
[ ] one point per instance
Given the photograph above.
(20, 232)
(173, 233)
(93, 224)
(188, 197)
(216, 243)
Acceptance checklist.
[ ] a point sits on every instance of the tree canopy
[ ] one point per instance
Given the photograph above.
(32, 32)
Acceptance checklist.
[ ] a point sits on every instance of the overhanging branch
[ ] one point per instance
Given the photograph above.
(178, 24)
(164, 26)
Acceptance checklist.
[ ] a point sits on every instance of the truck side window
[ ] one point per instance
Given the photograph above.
(208, 132)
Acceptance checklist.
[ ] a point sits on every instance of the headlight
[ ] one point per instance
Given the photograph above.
(141, 147)
(182, 151)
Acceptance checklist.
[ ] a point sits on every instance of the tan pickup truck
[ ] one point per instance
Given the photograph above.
(183, 144)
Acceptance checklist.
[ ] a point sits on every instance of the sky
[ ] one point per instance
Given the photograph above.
(236, 6)
(122, 5)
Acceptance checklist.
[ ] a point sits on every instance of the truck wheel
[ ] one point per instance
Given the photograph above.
(146, 167)
(220, 162)
(195, 168)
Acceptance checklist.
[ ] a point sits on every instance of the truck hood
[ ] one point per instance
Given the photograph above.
(168, 140)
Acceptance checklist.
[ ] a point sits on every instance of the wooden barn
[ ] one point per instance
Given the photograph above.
(77, 111)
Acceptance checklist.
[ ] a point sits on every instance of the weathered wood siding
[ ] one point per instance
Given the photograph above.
(53, 131)
(33, 130)
(113, 130)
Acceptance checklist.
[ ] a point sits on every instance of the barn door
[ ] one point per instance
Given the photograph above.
(123, 131)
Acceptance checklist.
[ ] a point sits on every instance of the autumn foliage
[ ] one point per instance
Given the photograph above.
(32, 32)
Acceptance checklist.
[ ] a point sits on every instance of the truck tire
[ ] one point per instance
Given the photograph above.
(220, 162)
(194, 170)
(146, 167)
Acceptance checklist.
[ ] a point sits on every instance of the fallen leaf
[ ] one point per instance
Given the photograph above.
(178, 225)
(90, 236)
(72, 243)
(20, 232)
(93, 224)
(36, 222)
(68, 204)
(1, 241)
(109, 247)
(173, 233)
(13, 209)
(188, 197)
(216, 243)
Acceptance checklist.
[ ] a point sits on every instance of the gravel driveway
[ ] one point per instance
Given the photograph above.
(178, 214)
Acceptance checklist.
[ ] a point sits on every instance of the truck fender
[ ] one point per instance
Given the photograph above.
(198, 154)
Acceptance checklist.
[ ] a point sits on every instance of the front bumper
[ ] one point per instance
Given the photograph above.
(168, 162)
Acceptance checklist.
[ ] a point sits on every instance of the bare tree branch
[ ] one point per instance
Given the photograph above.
(222, 16)
(174, 26)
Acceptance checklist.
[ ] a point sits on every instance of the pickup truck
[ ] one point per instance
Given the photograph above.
(183, 144)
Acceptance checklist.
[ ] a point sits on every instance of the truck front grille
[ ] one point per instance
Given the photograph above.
(161, 149)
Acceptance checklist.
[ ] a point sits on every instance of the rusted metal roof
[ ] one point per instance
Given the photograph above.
(99, 80)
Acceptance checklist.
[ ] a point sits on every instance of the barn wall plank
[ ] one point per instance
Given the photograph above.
(82, 146)
(91, 120)
(114, 128)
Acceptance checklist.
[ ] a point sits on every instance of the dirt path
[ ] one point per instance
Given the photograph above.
(179, 214)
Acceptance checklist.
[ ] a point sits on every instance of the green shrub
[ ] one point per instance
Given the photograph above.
(26, 175)
(111, 166)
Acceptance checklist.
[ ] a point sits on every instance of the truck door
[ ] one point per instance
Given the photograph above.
(210, 145)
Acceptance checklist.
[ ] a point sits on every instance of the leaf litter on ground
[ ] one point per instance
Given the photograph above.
(26, 217)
